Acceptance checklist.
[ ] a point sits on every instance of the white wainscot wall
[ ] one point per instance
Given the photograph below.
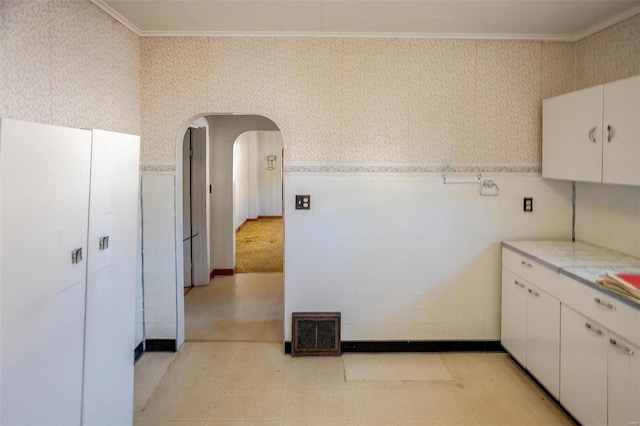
(159, 255)
(404, 257)
(609, 215)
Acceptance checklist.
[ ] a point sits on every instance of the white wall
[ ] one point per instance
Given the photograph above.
(159, 255)
(270, 143)
(258, 191)
(245, 174)
(403, 256)
(608, 215)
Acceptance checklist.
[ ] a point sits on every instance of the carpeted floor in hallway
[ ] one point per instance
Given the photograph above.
(259, 246)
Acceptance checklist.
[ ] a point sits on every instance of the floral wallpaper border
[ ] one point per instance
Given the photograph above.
(380, 168)
(157, 167)
(412, 168)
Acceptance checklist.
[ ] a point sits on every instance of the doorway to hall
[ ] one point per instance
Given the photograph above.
(240, 306)
(258, 197)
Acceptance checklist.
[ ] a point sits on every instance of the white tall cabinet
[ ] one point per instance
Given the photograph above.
(111, 279)
(66, 302)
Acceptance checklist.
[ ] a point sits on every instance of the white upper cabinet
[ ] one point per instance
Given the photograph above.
(593, 135)
(621, 138)
(572, 136)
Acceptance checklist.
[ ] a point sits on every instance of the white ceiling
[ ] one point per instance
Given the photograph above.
(564, 20)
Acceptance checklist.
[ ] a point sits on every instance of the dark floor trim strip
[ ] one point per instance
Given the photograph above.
(417, 346)
(549, 394)
(160, 345)
(221, 272)
(137, 352)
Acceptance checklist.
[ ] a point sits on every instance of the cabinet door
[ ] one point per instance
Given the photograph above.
(621, 132)
(583, 372)
(624, 382)
(572, 136)
(543, 338)
(513, 335)
(111, 280)
(44, 193)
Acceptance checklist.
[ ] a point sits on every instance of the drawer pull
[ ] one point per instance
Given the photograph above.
(527, 264)
(592, 328)
(533, 292)
(626, 349)
(519, 284)
(605, 304)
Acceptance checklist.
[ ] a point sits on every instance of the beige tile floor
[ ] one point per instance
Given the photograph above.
(215, 379)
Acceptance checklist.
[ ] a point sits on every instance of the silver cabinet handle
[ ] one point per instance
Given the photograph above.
(609, 133)
(623, 348)
(533, 292)
(519, 284)
(605, 304)
(592, 328)
(76, 256)
(528, 265)
(591, 137)
(103, 243)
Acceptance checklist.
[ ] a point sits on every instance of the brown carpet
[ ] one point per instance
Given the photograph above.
(259, 246)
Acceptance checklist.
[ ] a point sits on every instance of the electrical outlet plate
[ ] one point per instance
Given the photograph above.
(303, 202)
(528, 204)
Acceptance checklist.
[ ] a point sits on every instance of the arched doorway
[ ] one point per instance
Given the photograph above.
(223, 130)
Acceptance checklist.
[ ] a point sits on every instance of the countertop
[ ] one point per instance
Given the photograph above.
(581, 261)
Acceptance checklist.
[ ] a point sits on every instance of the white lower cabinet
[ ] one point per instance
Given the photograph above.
(581, 344)
(543, 338)
(623, 366)
(531, 329)
(513, 335)
(583, 373)
(600, 374)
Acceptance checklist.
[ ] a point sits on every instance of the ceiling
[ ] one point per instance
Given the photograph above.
(562, 20)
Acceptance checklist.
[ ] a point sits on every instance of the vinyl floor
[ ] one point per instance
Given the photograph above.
(232, 371)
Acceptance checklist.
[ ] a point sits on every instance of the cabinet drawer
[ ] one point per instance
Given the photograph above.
(613, 314)
(532, 271)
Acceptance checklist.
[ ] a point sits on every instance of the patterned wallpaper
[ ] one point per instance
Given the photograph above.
(340, 102)
(609, 55)
(351, 100)
(66, 62)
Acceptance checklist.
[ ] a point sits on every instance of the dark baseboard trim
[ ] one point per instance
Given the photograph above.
(221, 272)
(138, 351)
(160, 345)
(549, 394)
(417, 346)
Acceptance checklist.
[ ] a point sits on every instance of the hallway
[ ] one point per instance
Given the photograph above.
(232, 371)
(242, 307)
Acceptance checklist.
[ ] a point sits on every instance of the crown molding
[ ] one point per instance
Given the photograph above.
(118, 17)
(606, 24)
(568, 38)
(318, 34)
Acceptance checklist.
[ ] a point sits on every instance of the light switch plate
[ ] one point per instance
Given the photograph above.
(303, 202)
(528, 204)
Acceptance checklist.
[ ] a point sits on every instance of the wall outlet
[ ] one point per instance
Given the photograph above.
(303, 202)
(528, 204)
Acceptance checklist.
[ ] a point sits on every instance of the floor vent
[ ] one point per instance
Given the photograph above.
(316, 333)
